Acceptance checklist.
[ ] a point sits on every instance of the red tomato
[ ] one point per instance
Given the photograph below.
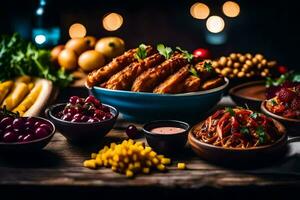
(282, 69)
(202, 54)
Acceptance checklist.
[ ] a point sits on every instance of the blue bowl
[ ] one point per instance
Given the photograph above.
(143, 106)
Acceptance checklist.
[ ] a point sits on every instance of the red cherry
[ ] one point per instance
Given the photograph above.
(202, 54)
(282, 69)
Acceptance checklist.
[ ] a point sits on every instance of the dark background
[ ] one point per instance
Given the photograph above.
(268, 27)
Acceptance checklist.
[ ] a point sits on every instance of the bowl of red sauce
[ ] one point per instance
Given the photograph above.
(166, 136)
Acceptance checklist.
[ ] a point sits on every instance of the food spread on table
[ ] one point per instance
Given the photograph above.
(237, 128)
(29, 77)
(160, 70)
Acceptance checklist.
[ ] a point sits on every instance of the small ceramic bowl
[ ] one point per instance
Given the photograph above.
(166, 143)
(31, 146)
(236, 156)
(249, 93)
(81, 132)
(292, 125)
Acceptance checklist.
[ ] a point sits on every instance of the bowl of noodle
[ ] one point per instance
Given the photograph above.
(237, 135)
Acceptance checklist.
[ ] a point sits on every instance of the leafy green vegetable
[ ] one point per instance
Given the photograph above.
(186, 54)
(19, 57)
(274, 103)
(245, 131)
(294, 77)
(254, 115)
(208, 66)
(230, 110)
(164, 50)
(261, 134)
(193, 71)
(141, 52)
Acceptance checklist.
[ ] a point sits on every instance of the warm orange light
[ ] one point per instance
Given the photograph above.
(231, 9)
(77, 31)
(199, 10)
(215, 24)
(112, 21)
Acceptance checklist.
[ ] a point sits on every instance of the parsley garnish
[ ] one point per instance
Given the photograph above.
(254, 115)
(261, 134)
(230, 110)
(245, 131)
(141, 52)
(186, 54)
(164, 50)
(193, 71)
(274, 103)
(208, 66)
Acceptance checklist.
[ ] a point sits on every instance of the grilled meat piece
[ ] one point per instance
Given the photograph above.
(148, 80)
(117, 64)
(191, 84)
(124, 79)
(212, 83)
(171, 84)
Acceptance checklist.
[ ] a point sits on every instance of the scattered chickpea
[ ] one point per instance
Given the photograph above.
(248, 75)
(242, 59)
(249, 63)
(254, 61)
(248, 55)
(259, 57)
(218, 70)
(236, 65)
(259, 66)
(263, 74)
(214, 64)
(223, 60)
(229, 63)
(241, 74)
(271, 63)
(235, 71)
(264, 62)
(233, 56)
(238, 55)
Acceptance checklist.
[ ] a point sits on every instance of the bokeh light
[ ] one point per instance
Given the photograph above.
(231, 9)
(199, 10)
(112, 21)
(215, 24)
(77, 31)
(40, 39)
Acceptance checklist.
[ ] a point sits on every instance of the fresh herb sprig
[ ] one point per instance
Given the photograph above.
(254, 115)
(208, 66)
(186, 54)
(230, 111)
(6, 113)
(261, 134)
(289, 76)
(141, 52)
(164, 50)
(19, 57)
(193, 71)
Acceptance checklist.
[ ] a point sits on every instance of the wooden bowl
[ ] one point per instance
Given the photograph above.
(292, 125)
(238, 156)
(254, 100)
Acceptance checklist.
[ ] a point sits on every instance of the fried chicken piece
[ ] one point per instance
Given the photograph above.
(124, 79)
(212, 83)
(170, 85)
(102, 74)
(191, 84)
(148, 80)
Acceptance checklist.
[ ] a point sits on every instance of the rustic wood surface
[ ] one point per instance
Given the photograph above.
(60, 164)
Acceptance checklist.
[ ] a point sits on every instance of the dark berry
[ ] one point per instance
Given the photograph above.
(73, 99)
(10, 137)
(18, 123)
(41, 133)
(131, 131)
(28, 138)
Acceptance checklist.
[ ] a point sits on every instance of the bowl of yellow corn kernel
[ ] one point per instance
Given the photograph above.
(129, 158)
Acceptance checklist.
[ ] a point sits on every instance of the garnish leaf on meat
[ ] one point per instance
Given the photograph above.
(261, 134)
(245, 132)
(164, 50)
(230, 110)
(274, 103)
(208, 66)
(254, 115)
(186, 54)
(193, 71)
(141, 52)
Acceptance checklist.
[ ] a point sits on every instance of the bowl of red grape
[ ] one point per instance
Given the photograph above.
(18, 134)
(83, 120)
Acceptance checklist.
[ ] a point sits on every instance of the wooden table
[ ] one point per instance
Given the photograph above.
(59, 168)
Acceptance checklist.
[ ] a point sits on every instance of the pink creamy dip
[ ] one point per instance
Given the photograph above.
(167, 130)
